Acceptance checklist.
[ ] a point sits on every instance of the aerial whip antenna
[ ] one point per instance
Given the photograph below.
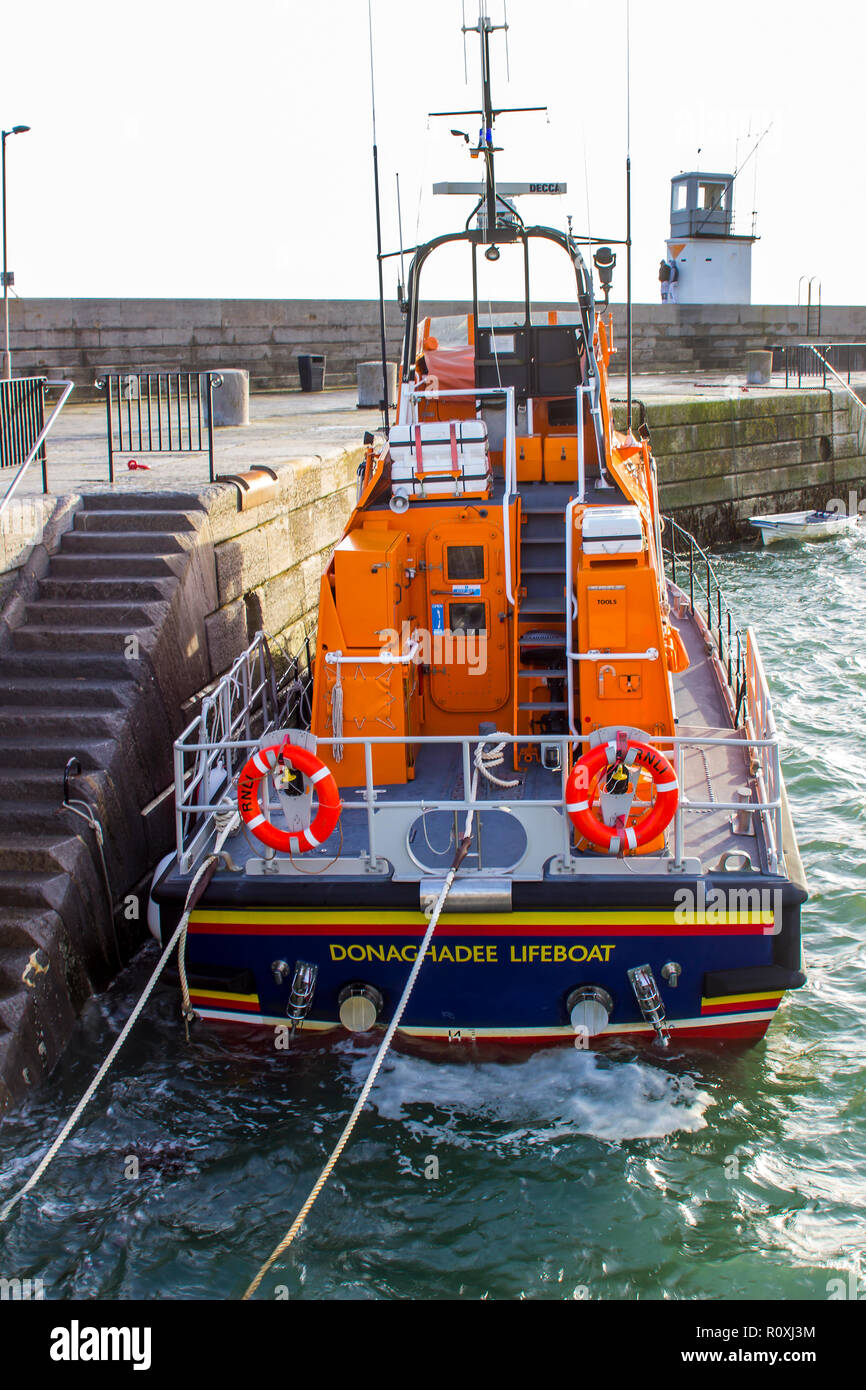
(400, 230)
(628, 208)
(385, 415)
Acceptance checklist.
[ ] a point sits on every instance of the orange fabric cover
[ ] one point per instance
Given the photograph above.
(454, 367)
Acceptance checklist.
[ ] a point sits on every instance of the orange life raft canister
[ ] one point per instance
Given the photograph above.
(591, 765)
(330, 805)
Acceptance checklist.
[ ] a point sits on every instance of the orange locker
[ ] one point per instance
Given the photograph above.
(528, 459)
(560, 458)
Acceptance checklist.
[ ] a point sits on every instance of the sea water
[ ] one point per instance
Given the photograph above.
(627, 1175)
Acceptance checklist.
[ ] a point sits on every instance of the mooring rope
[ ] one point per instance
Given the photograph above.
(199, 883)
(483, 763)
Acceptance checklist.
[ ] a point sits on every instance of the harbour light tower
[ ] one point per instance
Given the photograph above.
(713, 265)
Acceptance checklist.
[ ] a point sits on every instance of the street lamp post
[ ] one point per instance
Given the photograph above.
(7, 357)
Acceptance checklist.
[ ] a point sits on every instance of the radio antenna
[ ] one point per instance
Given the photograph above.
(628, 208)
(400, 230)
(385, 415)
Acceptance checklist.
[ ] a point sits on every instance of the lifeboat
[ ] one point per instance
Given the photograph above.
(511, 638)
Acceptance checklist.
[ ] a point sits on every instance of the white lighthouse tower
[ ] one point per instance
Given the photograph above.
(713, 265)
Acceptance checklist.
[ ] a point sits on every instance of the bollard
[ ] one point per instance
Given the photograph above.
(370, 385)
(231, 401)
(759, 367)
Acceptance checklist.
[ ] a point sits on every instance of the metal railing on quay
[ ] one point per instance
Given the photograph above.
(24, 429)
(815, 361)
(159, 413)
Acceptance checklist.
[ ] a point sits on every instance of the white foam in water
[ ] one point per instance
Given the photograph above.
(551, 1095)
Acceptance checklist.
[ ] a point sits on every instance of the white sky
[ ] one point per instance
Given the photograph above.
(182, 148)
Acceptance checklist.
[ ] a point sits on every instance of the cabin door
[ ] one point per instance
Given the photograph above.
(468, 628)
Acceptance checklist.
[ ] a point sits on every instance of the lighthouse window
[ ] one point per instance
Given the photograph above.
(710, 196)
(465, 562)
(467, 617)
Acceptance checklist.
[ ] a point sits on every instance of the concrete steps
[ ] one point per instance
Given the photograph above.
(41, 665)
(39, 637)
(70, 687)
(114, 614)
(131, 502)
(91, 589)
(91, 520)
(57, 723)
(118, 567)
(135, 542)
(61, 692)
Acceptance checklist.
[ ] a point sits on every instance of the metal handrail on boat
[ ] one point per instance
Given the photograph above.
(242, 711)
(700, 578)
(509, 460)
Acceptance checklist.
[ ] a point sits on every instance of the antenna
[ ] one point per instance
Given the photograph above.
(628, 209)
(385, 415)
(400, 230)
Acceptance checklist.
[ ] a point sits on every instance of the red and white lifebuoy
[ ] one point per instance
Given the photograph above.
(327, 815)
(595, 763)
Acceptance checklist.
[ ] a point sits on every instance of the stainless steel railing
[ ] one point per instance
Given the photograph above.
(12, 432)
(242, 711)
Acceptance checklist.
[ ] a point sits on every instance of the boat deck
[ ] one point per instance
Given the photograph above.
(711, 773)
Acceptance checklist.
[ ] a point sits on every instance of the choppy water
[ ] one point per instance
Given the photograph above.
(563, 1176)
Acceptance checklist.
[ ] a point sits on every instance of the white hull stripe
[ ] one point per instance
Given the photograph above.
(563, 1030)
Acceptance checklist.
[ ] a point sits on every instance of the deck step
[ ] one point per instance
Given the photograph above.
(550, 607)
(543, 706)
(544, 675)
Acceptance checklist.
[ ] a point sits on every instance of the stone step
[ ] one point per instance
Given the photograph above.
(40, 852)
(39, 637)
(107, 565)
(138, 521)
(52, 754)
(54, 723)
(134, 501)
(105, 589)
(40, 789)
(133, 542)
(125, 614)
(32, 890)
(19, 665)
(61, 692)
(36, 819)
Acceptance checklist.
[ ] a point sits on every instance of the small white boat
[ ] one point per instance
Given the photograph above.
(803, 526)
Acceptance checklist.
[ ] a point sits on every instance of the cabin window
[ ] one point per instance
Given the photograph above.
(681, 197)
(711, 196)
(465, 562)
(467, 617)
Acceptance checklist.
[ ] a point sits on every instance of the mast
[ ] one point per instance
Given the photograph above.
(384, 344)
